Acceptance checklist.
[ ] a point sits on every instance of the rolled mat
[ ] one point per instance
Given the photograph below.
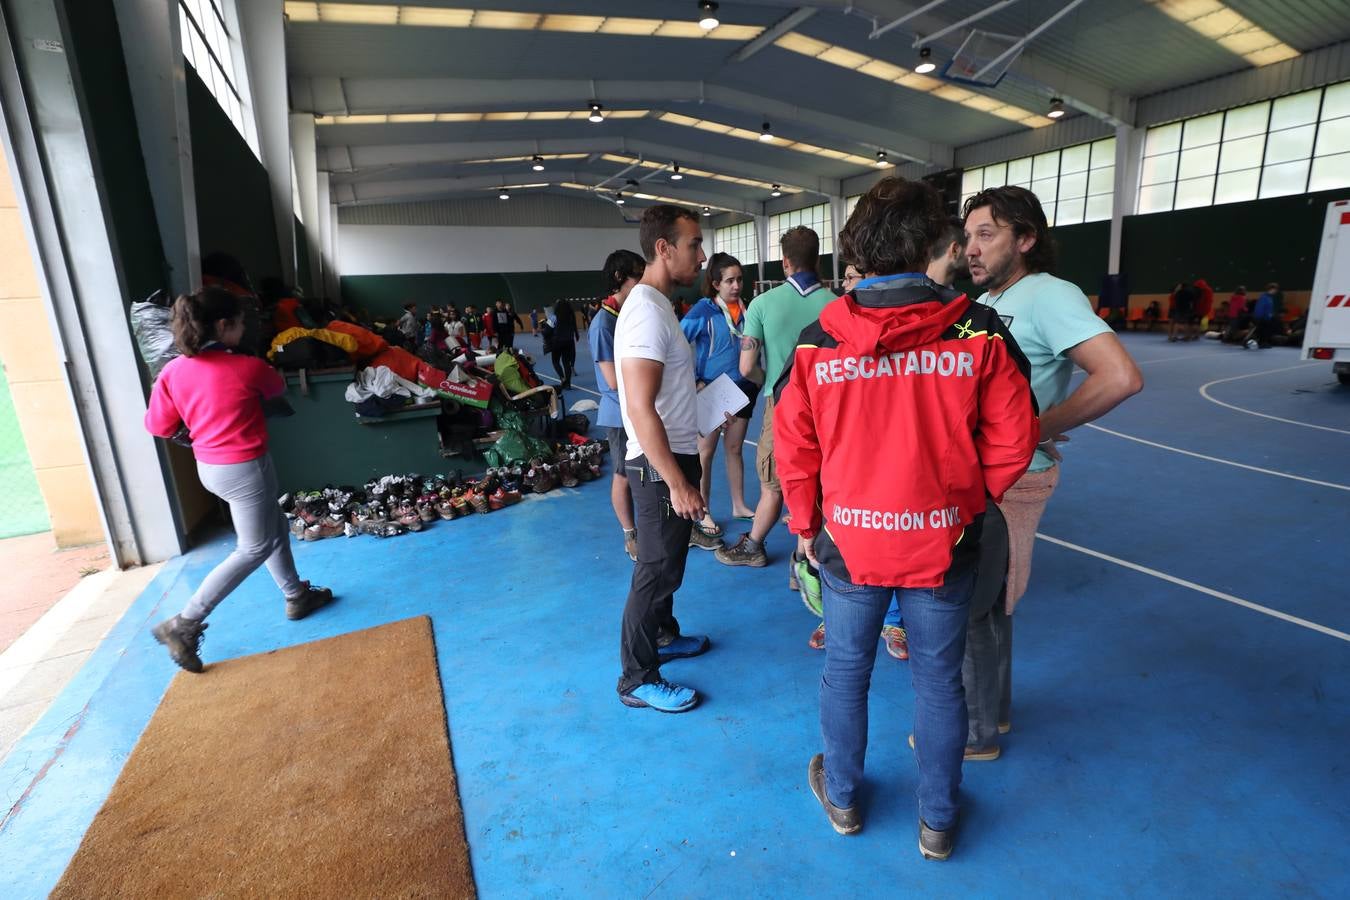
(321, 770)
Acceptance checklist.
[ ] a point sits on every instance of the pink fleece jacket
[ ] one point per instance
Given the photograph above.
(218, 395)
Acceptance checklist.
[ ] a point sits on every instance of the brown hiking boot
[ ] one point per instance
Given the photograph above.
(740, 554)
(183, 638)
(306, 603)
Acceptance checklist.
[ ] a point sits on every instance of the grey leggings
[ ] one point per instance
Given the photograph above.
(251, 490)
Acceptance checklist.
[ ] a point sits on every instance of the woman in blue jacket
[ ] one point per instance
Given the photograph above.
(713, 327)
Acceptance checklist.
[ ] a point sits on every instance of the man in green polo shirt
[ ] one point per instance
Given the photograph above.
(773, 322)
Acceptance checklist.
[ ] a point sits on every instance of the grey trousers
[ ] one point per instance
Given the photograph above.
(250, 488)
(987, 669)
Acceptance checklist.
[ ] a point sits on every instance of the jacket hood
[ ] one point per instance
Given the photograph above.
(703, 309)
(892, 315)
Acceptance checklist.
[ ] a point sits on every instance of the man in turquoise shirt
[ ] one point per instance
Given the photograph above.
(1010, 253)
(773, 322)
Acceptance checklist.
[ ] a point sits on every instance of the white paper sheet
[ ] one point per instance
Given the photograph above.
(718, 398)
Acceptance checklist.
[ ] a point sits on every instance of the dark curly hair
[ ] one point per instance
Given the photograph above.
(620, 266)
(194, 317)
(1020, 208)
(894, 227)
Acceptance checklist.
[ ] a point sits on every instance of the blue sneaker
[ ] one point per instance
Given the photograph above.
(663, 696)
(684, 646)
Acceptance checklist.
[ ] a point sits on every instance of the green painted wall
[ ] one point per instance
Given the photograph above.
(1236, 243)
(234, 200)
(96, 53)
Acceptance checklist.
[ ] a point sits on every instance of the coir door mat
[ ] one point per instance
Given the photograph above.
(321, 770)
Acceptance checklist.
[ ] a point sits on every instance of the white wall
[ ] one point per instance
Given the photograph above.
(433, 249)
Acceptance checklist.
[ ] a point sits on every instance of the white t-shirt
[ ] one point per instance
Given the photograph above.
(647, 329)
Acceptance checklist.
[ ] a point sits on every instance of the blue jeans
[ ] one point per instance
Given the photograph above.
(936, 621)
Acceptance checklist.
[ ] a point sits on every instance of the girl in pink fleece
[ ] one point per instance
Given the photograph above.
(218, 395)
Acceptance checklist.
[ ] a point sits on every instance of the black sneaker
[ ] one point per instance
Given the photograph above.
(306, 603)
(844, 821)
(183, 637)
(934, 844)
(740, 554)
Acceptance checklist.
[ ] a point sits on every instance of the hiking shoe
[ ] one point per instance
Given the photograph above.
(897, 641)
(817, 641)
(703, 540)
(630, 545)
(739, 554)
(662, 696)
(306, 603)
(183, 638)
(988, 754)
(934, 844)
(844, 821)
(683, 647)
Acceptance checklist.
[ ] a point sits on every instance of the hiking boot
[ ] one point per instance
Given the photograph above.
(183, 638)
(897, 641)
(683, 647)
(306, 603)
(974, 754)
(566, 474)
(326, 527)
(379, 527)
(630, 545)
(844, 821)
(662, 696)
(817, 641)
(739, 554)
(934, 844)
(703, 540)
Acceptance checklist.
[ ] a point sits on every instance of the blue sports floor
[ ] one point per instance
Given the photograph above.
(1182, 691)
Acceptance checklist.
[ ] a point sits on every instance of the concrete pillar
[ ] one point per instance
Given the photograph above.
(1129, 153)
(263, 35)
(307, 177)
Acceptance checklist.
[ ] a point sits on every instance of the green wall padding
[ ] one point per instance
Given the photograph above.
(22, 510)
(234, 199)
(1237, 243)
(386, 294)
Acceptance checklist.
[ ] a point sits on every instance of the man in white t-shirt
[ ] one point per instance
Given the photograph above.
(655, 369)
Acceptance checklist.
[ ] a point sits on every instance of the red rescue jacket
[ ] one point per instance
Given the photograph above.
(900, 411)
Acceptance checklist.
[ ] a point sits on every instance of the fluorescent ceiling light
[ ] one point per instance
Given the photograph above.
(695, 173)
(511, 159)
(917, 80)
(1231, 30)
(503, 116)
(746, 134)
(505, 20)
(593, 189)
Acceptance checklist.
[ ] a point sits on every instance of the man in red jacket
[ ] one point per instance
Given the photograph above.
(902, 410)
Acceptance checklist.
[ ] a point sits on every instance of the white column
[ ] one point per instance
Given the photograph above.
(324, 282)
(838, 215)
(766, 254)
(152, 45)
(307, 176)
(1129, 152)
(263, 35)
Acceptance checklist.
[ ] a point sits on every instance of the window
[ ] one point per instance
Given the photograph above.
(1075, 184)
(817, 218)
(212, 48)
(739, 241)
(1290, 145)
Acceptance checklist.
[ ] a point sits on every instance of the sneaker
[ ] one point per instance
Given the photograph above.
(662, 696)
(844, 821)
(988, 754)
(934, 844)
(306, 603)
(704, 541)
(684, 646)
(183, 637)
(817, 641)
(808, 579)
(897, 641)
(630, 545)
(739, 554)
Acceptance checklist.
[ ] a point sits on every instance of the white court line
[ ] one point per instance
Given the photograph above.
(1200, 588)
(572, 388)
(1204, 392)
(1226, 462)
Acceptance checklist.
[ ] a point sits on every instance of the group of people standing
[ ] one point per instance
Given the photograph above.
(446, 330)
(911, 431)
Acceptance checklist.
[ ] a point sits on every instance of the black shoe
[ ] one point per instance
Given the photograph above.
(934, 844)
(306, 603)
(183, 637)
(844, 821)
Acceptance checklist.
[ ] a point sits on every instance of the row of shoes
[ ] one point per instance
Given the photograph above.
(396, 504)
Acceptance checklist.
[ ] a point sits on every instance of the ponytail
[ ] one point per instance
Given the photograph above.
(719, 263)
(195, 316)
